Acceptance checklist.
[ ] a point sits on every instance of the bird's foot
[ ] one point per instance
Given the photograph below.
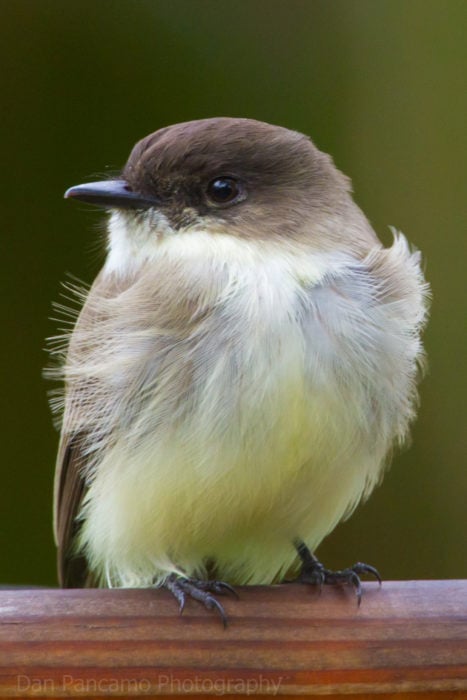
(199, 590)
(315, 573)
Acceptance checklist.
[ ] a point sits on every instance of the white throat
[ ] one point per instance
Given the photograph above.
(134, 242)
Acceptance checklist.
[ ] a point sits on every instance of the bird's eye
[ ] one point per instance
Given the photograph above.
(225, 190)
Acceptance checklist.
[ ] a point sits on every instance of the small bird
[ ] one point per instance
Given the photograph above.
(240, 370)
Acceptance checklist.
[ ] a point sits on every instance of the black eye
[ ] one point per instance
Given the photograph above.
(225, 190)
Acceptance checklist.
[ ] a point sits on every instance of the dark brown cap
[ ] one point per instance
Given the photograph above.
(241, 176)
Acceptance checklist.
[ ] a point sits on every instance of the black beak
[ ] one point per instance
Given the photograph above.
(111, 194)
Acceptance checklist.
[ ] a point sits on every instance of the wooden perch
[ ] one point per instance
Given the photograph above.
(407, 640)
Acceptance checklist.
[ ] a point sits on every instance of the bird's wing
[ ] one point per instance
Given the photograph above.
(70, 483)
(70, 488)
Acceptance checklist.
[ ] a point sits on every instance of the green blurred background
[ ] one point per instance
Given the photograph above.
(380, 84)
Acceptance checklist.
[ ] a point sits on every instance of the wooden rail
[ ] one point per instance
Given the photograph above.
(407, 640)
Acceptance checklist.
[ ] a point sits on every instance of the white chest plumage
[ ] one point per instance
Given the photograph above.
(260, 416)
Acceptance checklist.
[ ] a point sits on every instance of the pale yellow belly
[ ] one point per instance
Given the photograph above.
(279, 470)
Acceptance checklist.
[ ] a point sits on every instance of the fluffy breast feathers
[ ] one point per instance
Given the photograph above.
(230, 396)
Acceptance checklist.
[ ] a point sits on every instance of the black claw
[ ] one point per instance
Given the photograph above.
(177, 591)
(361, 568)
(211, 603)
(222, 587)
(354, 579)
(313, 572)
(201, 591)
(219, 587)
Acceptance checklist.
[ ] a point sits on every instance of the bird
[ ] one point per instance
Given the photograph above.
(240, 371)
